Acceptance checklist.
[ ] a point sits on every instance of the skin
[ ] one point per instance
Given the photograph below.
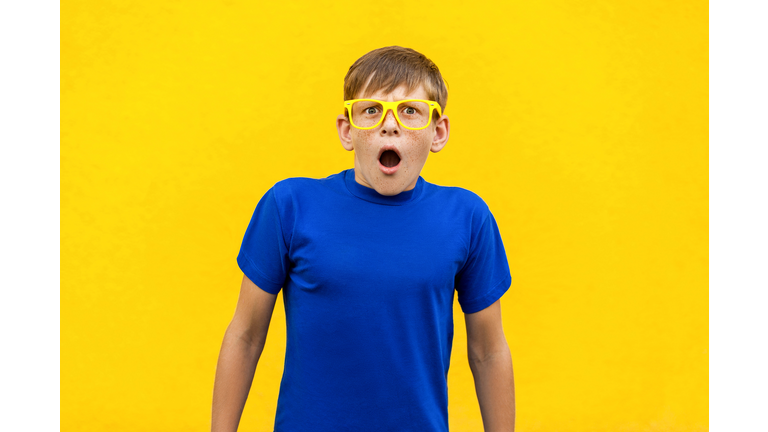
(414, 145)
(490, 361)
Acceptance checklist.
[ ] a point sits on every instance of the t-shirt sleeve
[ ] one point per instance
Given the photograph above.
(485, 276)
(263, 253)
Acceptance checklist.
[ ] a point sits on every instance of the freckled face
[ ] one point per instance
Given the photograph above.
(413, 145)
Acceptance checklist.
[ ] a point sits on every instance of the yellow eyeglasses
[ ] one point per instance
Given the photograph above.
(413, 114)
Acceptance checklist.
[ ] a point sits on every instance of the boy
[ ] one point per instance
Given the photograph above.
(368, 260)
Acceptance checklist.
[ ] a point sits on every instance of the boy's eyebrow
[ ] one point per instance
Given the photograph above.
(396, 100)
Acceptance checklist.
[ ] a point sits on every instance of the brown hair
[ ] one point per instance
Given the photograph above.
(392, 66)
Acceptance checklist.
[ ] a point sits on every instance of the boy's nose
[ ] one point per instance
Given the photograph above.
(389, 124)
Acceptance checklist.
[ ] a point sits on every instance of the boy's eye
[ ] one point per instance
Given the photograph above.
(370, 110)
(410, 110)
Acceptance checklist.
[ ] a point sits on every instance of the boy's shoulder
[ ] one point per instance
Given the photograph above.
(457, 194)
(457, 191)
(295, 182)
(296, 186)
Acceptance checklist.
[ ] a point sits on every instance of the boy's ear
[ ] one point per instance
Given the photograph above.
(343, 125)
(442, 131)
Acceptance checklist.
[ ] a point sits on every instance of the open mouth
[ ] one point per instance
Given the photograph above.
(389, 158)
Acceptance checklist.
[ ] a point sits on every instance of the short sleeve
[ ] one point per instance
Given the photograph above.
(263, 253)
(485, 276)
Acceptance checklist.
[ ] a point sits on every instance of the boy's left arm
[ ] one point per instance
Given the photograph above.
(491, 363)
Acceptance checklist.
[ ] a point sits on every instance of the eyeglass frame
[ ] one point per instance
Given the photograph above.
(387, 106)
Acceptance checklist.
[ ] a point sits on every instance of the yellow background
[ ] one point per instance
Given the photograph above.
(583, 125)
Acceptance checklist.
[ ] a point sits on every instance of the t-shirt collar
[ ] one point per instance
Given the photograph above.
(370, 194)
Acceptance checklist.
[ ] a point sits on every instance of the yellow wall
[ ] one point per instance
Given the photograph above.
(583, 125)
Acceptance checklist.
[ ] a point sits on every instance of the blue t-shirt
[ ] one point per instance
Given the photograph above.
(368, 286)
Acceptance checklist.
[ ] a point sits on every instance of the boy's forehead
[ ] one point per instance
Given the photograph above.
(399, 93)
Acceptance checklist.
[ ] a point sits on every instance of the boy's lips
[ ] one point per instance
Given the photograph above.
(389, 170)
(388, 147)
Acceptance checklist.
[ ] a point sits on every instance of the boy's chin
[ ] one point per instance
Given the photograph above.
(391, 185)
(389, 191)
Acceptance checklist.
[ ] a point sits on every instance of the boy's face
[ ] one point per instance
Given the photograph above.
(413, 146)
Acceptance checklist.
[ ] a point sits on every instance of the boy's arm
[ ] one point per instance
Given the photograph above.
(243, 343)
(491, 363)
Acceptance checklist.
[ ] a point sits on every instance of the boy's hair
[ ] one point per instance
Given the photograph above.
(392, 66)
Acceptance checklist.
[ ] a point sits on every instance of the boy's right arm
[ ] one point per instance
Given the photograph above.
(243, 343)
